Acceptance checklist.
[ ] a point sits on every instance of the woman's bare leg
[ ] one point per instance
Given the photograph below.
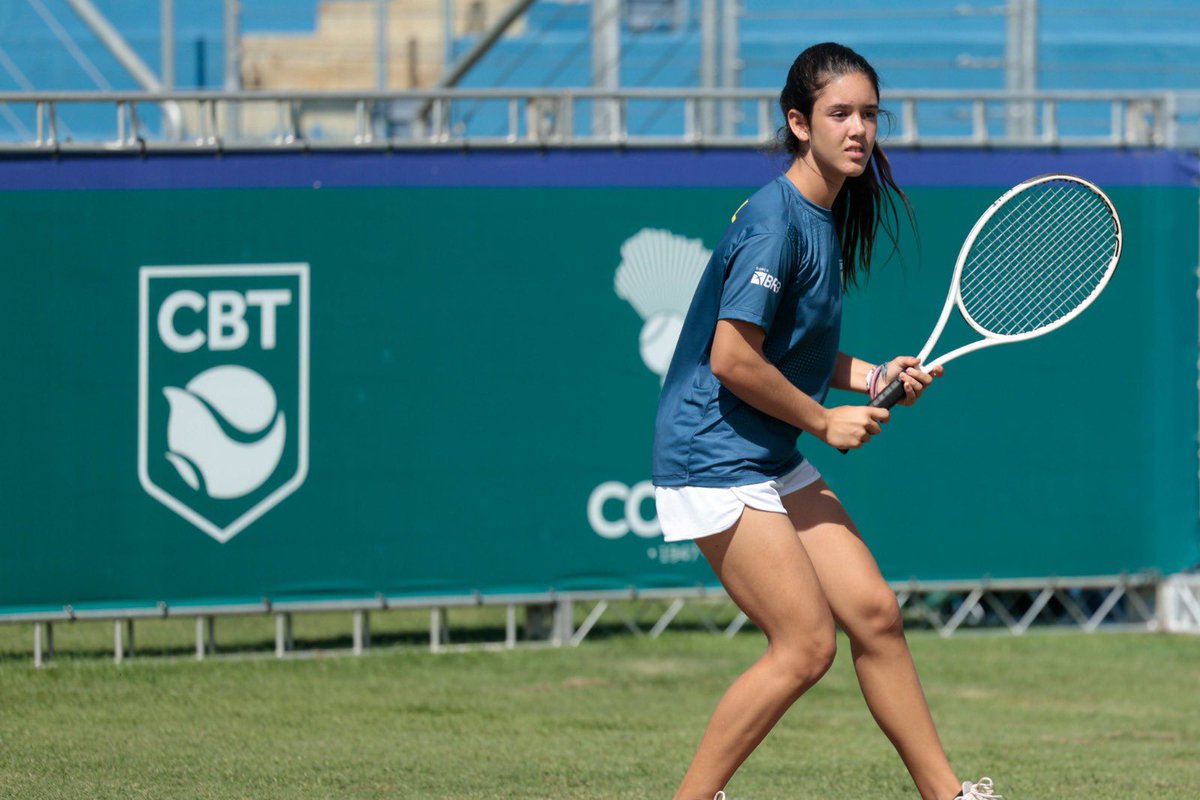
(764, 568)
(866, 609)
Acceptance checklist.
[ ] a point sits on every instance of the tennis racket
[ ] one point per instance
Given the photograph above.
(1038, 257)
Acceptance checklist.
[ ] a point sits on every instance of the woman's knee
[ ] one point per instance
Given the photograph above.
(803, 660)
(877, 615)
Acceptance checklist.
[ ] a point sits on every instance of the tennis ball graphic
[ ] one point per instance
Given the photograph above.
(657, 341)
(657, 275)
(217, 431)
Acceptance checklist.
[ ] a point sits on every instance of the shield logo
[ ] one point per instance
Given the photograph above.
(223, 390)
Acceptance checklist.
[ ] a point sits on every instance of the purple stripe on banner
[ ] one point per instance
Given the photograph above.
(567, 168)
(1111, 167)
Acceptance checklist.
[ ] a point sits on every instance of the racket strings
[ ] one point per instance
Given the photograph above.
(1003, 229)
(1042, 303)
(1038, 260)
(1010, 228)
(1023, 313)
(1077, 285)
(1039, 291)
(1078, 276)
(982, 280)
(1019, 221)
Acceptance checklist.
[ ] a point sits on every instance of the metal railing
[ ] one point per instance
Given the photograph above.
(1143, 602)
(563, 117)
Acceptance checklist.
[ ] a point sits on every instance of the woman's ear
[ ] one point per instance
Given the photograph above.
(797, 124)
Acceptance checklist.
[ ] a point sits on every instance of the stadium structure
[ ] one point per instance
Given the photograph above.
(280, 272)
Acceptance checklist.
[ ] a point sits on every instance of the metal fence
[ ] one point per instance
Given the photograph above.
(1130, 602)
(571, 118)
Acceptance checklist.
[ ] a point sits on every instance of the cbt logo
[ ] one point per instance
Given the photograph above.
(223, 390)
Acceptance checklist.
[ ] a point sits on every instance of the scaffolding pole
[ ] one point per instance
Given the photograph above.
(1020, 72)
(708, 64)
(127, 58)
(168, 45)
(606, 65)
(233, 59)
(381, 45)
(731, 65)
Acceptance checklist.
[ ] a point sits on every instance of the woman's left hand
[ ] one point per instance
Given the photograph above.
(908, 369)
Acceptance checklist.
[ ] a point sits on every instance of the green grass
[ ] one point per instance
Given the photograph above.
(1048, 715)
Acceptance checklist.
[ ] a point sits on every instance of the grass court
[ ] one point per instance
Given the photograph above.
(1047, 715)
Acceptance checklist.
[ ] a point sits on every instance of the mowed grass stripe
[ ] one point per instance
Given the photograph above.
(1047, 715)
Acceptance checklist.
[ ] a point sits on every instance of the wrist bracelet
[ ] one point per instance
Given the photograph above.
(881, 373)
(873, 380)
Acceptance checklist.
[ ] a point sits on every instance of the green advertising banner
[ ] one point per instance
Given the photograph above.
(418, 376)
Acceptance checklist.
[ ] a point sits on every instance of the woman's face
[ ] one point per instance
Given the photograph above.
(845, 119)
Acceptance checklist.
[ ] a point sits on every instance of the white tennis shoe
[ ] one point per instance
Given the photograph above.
(979, 791)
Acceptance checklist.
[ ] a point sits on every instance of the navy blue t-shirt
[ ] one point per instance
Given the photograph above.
(779, 267)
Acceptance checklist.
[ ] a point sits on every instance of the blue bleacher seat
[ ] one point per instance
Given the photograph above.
(948, 44)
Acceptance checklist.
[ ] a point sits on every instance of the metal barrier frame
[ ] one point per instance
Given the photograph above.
(1127, 602)
(1179, 603)
(546, 117)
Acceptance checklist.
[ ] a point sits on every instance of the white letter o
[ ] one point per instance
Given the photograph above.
(646, 528)
(609, 490)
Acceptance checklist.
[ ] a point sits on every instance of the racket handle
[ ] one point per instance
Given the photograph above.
(891, 395)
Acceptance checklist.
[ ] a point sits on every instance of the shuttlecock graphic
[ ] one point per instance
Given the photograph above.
(658, 274)
(217, 431)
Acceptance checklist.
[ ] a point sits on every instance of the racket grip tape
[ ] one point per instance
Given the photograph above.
(891, 395)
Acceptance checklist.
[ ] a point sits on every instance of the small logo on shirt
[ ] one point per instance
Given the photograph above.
(763, 278)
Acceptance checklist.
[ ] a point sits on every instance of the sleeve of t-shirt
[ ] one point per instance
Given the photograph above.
(758, 271)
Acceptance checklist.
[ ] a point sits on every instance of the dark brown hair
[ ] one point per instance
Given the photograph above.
(865, 202)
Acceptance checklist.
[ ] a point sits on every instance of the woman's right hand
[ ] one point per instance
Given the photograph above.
(850, 427)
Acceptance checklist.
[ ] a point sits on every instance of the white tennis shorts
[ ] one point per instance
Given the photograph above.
(693, 512)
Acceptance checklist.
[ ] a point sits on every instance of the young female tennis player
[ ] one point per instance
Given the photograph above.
(755, 359)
